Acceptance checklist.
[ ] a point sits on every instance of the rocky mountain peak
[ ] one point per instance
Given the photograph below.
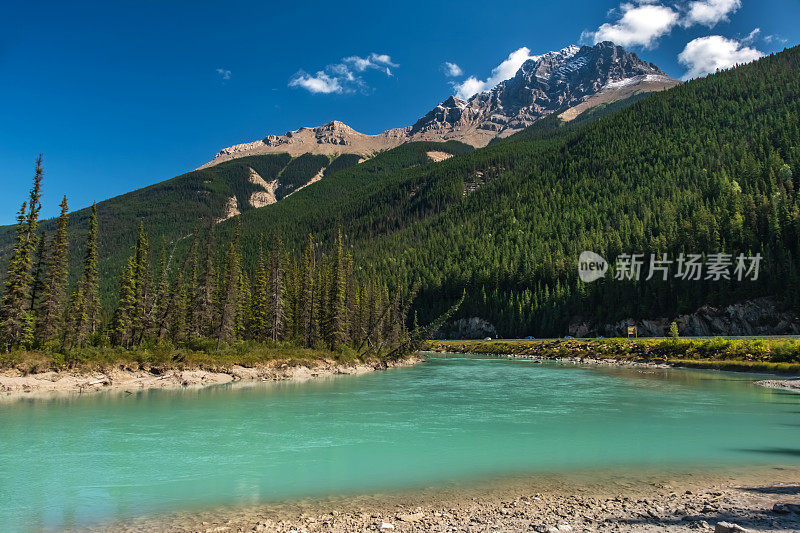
(337, 126)
(567, 81)
(543, 85)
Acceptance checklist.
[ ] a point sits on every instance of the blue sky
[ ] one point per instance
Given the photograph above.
(120, 95)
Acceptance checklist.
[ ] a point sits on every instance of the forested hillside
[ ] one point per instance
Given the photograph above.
(177, 207)
(709, 166)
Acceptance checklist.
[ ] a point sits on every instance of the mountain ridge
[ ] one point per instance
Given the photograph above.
(553, 82)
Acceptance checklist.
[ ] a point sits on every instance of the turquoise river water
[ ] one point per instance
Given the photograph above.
(78, 461)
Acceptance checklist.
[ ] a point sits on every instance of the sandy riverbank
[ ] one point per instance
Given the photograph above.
(15, 385)
(758, 500)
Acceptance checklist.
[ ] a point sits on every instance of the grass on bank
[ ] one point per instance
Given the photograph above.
(200, 354)
(762, 355)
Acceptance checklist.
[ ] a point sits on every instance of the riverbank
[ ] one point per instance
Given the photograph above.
(593, 501)
(32, 375)
(749, 355)
(781, 356)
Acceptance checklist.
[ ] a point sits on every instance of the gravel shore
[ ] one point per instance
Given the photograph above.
(767, 500)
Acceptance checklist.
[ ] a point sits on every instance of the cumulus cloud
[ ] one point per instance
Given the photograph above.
(224, 74)
(705, 55)
(343, 77)
(638, 25)
(751, 37)
(320, 83)
(503, 71)
(373, 61)
(709, 12)
(451, 70)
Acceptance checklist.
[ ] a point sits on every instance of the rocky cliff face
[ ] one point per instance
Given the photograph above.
(329, 139)
(576, 78)
(555, 81)
(467, 328)
(761, 316)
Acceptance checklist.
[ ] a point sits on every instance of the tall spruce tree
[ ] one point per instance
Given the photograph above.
(176, 311)
(90, 279)
(161, 293)
(83, 310)
(260, 299)
(307, 297)
(229, 289)
(276, 310)
(205, 299)
(15, 317)
(122, 328)
(39, 272)
(192, 293)
(141, 275)
(12, 313)
(337, 329)
(51, 313)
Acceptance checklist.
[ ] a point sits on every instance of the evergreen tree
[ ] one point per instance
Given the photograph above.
(51, 314)
(276, 311)
(307, 303)
(90, 280)
(260, 299)
(75, 320)
(337, 329)
(192, 294)
(230, 284)
(125, 314)
(177, 310)
(205, 303)
(160, 303)
(244, 314)
(39, 272)
(15, 295)
(141, 317)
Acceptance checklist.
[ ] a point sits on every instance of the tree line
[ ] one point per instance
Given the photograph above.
(36, 306)
(319, 299)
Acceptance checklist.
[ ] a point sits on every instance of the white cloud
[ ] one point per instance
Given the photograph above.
(373, 61)
(641, 24)
(343, 77)
(775, 38)
(751, 36)
(224, 74)
(705, 55)
(709, 12)
(503, 71)
(451, 70)
(321, 83)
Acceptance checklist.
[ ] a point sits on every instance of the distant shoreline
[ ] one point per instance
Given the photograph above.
(739, 355)
(773, 355)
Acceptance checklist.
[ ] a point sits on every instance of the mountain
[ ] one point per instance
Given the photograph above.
(570, 80)
(709, 165)
(176, 209)
(712, 165)
(331, 139)
(553, 82)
